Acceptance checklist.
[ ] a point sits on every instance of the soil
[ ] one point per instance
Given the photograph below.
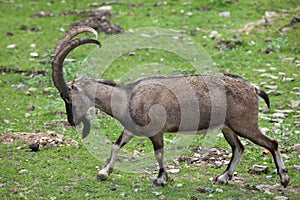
(4, 69)
(46, 140)
(97, 19)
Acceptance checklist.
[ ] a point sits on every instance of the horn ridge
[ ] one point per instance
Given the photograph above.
(57, 62)
(71, 34)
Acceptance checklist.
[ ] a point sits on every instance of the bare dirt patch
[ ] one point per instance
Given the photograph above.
(42, 139)
(97, 19)
(215, 157)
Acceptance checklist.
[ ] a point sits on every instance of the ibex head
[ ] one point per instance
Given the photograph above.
(70, 94)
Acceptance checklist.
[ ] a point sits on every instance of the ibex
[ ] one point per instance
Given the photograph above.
(156, 105)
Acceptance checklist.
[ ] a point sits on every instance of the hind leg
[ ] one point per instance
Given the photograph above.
(158, 145)
(257, 137)
(237, 151)
(122, 140)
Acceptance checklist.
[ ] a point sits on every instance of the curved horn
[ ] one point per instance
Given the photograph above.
(57, 63)
(70, 34)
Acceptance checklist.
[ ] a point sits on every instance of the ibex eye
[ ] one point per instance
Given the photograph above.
(75, 88)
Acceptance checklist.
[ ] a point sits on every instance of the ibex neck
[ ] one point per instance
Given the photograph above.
(100, 92)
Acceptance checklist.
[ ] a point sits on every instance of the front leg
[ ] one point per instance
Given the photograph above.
(158, 144)
(122, 140)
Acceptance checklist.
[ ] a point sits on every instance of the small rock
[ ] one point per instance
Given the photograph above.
(218, 164)
(219, 190)
(22, 171)
(105, 8)
(260, 70)
(201, 190)
(197, 155)
(284, 111)
(261, 187)
(265, 130)
(162, 197)
(173, 171)
(274, 93)
(131, 31)
(214, 34)
(71, 60)
(281, 73)
(209, 190)
(32, 89)
(33, 46)
(296, 88)
(136, 153)
(11, 46)
(145, 36)
(224, 14)
(269, 76)
(34, 55)
(296, 147)
(58, 140)
(114, 188)
(10, 33)
(288, 79)
(75, 144)
(297, 167)
(30, 108)
(212, 158)
(281, 198)
(46, 91)
(179, 185)
(14, 190)
(251, 43)
(272, 87)
(258, 169)
(131, 53)
(288, 59)
(161, 3)
(123, 194)
(34, 147)
(20, 86)
(278, 115)
(157, 193)
(189, 14)
(295, 103)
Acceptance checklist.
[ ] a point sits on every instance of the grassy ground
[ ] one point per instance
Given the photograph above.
(69, 172)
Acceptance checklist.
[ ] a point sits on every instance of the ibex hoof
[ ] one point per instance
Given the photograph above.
(159, 182)
(221, 180)
(285, 180)
(102, 175)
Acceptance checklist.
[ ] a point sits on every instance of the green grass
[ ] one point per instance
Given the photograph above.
(69, 173)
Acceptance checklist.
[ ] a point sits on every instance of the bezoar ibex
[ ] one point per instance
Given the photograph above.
(156, 105)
